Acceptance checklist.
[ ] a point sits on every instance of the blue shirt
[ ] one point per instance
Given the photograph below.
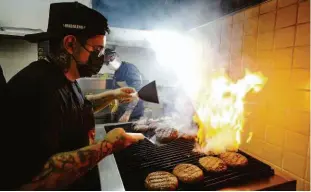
(130, 74)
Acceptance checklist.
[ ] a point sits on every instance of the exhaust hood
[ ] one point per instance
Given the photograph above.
(16, 33)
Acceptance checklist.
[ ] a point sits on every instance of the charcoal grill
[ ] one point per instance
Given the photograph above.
(140, 159)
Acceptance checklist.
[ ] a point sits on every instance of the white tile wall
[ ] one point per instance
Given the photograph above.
(281, 131)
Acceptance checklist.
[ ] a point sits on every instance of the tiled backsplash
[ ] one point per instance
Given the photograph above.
(274, 38)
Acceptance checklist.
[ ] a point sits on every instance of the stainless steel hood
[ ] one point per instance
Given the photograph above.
(16, 33)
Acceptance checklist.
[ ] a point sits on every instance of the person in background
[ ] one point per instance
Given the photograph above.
(51, 145)
(125, 74)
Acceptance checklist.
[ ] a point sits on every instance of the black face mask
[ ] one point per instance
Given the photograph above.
(92, 66)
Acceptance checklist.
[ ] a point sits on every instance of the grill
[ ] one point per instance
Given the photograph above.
(140, 159)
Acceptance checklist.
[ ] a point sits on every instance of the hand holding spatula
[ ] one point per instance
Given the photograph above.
(147, 93)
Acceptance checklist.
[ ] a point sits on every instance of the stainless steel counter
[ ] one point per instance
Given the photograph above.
(110, 178)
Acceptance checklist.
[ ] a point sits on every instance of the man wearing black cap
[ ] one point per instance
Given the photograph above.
(53, 147)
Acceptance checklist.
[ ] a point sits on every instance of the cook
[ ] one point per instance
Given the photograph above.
(128, 74)
(48, 147)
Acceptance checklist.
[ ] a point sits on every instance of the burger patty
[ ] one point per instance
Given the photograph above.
(187, 136)
(153, 125)
(234, 159)
(213, 164)
(188, 173)
(165, 135)
(161, 181)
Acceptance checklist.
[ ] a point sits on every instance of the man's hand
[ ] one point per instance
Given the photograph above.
(63, 169)
(102, 100)
(124, 94)
(120, 139)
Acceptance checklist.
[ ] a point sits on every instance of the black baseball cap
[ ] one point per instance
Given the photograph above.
(71, 18)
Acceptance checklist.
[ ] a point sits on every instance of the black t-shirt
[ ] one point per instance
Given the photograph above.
(3, 92)
(48, 114)
(2, 82)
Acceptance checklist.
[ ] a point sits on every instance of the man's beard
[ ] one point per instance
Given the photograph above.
(62, 59)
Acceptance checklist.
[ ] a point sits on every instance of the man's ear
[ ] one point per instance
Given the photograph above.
(70, 43)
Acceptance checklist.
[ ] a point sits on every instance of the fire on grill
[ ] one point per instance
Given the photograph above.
(220, 113)
(200, 148)
(211, 161)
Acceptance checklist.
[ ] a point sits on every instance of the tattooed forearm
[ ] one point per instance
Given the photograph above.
(100, 101)
(101, 104)
(64, 168)
(100, 97)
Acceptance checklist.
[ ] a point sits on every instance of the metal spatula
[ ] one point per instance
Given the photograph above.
(149, 93)
(140, 136)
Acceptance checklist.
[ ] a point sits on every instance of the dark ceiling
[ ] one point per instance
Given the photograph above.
(166, 14)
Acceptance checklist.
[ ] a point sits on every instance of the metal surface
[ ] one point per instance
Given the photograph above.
(110, 178)
(15, 32)
(92, 85)
(140, 159)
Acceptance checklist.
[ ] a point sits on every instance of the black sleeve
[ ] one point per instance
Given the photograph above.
(33, 128)
(2, 82)
(3, 99)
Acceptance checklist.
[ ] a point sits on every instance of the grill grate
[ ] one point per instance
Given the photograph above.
(140, 159)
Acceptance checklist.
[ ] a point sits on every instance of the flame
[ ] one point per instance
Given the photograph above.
(220, 113)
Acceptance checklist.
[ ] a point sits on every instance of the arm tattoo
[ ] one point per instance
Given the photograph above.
(100, 104)
(102, 100)
(64, 168)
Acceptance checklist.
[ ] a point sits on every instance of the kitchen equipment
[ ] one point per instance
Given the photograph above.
(146, 135)
(140, 159)
(149, 93)
(92, 85)
(140, 136)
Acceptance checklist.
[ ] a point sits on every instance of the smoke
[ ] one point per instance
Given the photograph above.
(154, 14)
(179, 107)
(184, 60)
(189, 60)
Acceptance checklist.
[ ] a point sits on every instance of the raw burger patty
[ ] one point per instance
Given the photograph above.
(161, 181)
(234, 159)
(213, 164)
(165, 135)
(188, 173)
